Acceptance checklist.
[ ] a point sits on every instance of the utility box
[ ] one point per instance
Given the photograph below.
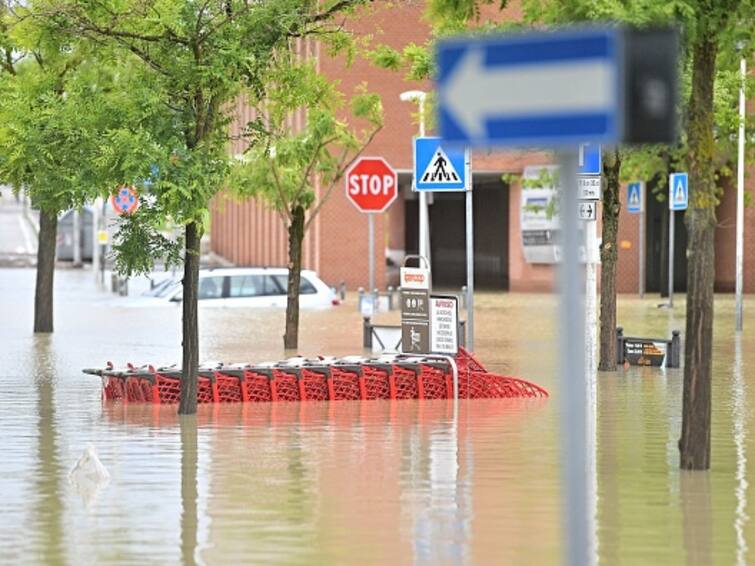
(64, 247)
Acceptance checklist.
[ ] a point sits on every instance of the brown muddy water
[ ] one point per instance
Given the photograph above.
(342, 483)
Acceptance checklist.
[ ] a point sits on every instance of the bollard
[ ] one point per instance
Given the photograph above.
(619, 346)
(390, 298)
(676, 348)
(360, 292)
(366, 333)
(342, 290)
(463, 297)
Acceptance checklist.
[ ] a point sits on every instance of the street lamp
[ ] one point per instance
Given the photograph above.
(419, 96)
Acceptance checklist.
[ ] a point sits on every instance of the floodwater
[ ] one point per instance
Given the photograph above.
(378, 482)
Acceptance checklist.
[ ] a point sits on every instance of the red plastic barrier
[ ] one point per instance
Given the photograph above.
(344, 385)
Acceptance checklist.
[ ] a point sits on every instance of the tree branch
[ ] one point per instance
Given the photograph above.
(342, 167)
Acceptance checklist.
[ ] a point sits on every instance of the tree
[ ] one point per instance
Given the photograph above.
(57, 106)
(197, 56)
(283, 167)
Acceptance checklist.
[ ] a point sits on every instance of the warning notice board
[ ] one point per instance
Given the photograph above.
(444, 324)
(645, 353)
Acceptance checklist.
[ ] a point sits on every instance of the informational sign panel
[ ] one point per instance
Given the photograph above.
(589, 187)
(438, 167)
(444, 324)
(479, 106)
(587, 210)
(678, 191)
(645, 353)
(634, 197)
(415, 310)
(590, 159)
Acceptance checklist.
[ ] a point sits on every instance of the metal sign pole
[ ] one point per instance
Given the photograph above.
(739, 312)
(470, 269)
(371, 244)
(671, 214)
(573, 385)
(641, 240)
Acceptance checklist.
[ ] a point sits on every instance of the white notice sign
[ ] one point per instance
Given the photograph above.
(589, 188)
(444, 324)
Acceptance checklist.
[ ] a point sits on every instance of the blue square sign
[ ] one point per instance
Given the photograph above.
(634, 197)
(439, 167)
(590, 162)
(678, 191)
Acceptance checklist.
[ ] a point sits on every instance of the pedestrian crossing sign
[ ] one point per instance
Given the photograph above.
(634, 197)
(440, 168)
(678, 191)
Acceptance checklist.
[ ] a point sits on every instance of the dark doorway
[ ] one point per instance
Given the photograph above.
(448, 235)
(656, 236)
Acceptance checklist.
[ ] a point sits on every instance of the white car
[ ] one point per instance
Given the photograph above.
(246, 287)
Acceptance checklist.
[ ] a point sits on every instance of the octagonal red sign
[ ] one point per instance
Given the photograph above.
(371, 184)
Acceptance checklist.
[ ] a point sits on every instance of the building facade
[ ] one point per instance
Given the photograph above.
(336, 245)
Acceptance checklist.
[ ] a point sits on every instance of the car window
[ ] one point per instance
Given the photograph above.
(210, 288)
(248, 286)
(305, 287)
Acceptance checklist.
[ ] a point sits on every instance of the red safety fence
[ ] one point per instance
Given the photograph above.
(298, 379)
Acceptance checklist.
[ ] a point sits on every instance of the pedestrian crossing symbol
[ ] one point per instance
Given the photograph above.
(634, 197)
(438, 168)
(678, 191)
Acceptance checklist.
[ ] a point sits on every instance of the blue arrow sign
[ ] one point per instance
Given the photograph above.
(531, 89)
(438, 167)
(634, 197)
(678, 191)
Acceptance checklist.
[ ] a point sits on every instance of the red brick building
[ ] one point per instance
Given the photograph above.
(248, 233)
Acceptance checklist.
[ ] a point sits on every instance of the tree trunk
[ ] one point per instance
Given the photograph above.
(48, 231)
(295, 238)
(190, 368)
(608, 256)
(694, 445)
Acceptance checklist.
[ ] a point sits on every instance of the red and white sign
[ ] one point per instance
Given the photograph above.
(125, 201)
(371, 184)
(414, 278)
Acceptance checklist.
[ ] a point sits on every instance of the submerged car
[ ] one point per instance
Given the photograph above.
(246, 287)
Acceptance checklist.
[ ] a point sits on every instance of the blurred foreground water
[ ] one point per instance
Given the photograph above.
(377, 482)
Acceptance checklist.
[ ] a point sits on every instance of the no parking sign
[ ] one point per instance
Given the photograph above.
(125, 201)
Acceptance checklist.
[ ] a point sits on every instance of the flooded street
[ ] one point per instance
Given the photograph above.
(375, 482)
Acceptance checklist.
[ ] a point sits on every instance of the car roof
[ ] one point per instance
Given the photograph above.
(222, 271)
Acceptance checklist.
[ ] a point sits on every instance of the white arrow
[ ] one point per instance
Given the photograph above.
(475, 93)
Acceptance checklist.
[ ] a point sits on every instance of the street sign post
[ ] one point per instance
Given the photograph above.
(439, 167)
(562, 88)
(677, 200)
(371, 186)
(636, 205)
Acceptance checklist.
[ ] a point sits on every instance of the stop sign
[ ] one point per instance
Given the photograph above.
(371, 184)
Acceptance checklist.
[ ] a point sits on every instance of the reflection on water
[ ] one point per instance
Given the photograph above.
(379, 482)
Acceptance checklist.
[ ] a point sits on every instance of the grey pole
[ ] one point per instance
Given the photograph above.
(573, 384)
(371, 244)
(739, 312)
(96, 210)
(76, 238)
(470, 268)
(671, 215)
(641, 241)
